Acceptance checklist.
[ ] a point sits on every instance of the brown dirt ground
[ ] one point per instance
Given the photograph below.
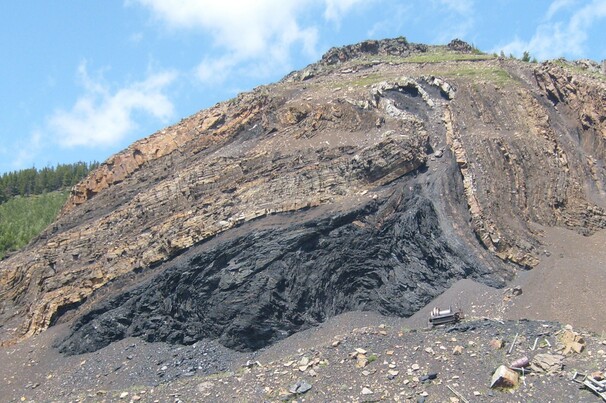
(568, 287)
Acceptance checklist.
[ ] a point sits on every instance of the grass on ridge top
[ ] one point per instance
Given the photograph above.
(437, 56)
(476, 72)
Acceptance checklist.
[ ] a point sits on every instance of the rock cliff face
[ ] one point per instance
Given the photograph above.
(370, 180)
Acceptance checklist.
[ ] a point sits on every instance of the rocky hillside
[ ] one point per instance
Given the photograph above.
(371, 180)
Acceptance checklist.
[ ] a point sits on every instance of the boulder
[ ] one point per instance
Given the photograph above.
(547, 363)
(504, 377)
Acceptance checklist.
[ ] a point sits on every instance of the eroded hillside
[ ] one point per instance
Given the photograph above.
(371, 180)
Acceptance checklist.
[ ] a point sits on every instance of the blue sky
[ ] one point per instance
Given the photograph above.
(81, 80)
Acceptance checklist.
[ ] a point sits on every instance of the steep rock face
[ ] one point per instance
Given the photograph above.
(258, 287)
(372, 181)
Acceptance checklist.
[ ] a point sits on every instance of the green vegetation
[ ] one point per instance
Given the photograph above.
(22, 218)
(30, 200)
(436, 56)
(433, 55)
(370, 79)
(32, 181)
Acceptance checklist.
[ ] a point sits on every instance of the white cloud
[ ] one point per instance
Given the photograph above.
(560, 38)
(260, 33)
(241, 26)
(557, 6)
(101, 117)
(464, 7)
(24, 153)
(336, 9)
(21, 152)
(215, 69)
(460, 20)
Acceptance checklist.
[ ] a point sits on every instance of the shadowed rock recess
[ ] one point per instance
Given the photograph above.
(371, 180)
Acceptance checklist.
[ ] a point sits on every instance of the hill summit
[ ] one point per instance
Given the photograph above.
(371, 180)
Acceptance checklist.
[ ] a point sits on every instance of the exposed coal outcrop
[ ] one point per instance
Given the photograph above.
(391, 256)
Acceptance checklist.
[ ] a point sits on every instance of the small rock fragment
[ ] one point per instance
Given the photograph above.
(504, 377)
(366, 391)
(300, 387)
(496, 344)
(429, 377)
(361, 361)
(391, 374)
(547, 363)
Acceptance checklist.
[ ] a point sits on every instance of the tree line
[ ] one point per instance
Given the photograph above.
(33, 181)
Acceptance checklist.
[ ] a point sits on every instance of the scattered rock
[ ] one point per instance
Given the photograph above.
(300, 387)
(460, 46)
(367, 391)
(572, 341)
(497, 344)
(361, 361)
(457, 350)
(429, 377)
(547, 363)
(504, 377)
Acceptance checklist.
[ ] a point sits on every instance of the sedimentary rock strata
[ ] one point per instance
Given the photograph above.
(369, 180)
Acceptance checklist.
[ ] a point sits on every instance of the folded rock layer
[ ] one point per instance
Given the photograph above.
(371, 180)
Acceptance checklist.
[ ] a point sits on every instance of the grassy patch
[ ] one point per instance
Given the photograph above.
(492, 74)
(445, 56)
(22, 218)
(431, 56)
(370, 79)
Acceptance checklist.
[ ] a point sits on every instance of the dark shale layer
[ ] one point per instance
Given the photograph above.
(391, 256)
